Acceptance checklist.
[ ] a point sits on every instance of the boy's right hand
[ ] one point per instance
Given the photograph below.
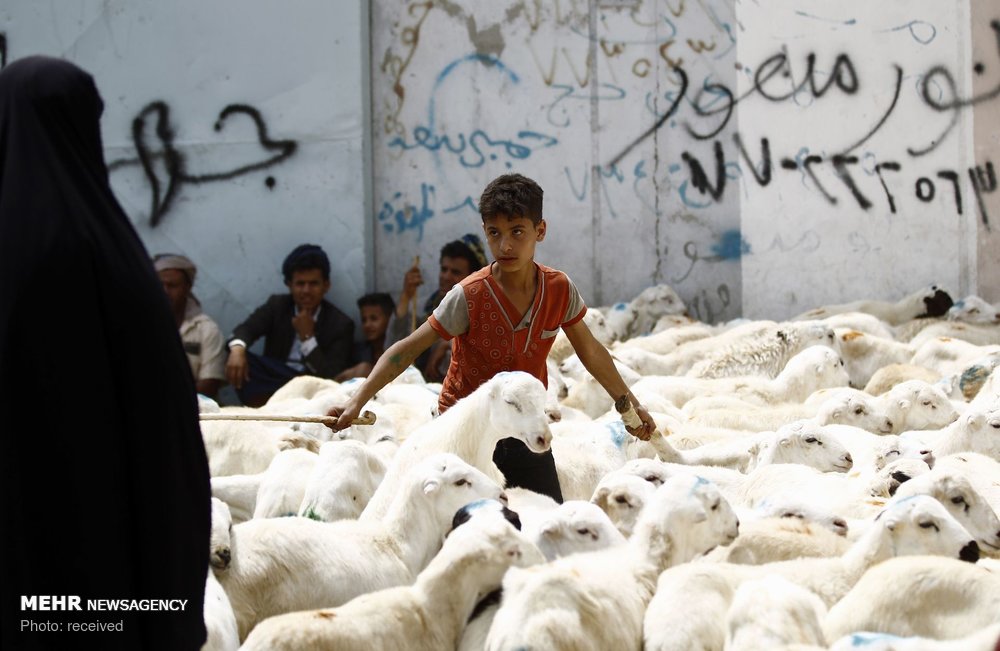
(345, 415)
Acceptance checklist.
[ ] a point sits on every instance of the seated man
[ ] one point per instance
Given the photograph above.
(200, 334)
(459, 258)
(376, 313)
(304, 334)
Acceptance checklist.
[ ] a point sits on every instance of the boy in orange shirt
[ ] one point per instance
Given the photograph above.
(504, 317)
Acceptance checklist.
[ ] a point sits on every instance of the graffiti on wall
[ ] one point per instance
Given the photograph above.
(937, 89)
(176, 164)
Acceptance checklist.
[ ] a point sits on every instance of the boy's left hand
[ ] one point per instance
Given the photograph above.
(645, 431)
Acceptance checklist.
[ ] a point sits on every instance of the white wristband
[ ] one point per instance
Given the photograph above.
(237, 342)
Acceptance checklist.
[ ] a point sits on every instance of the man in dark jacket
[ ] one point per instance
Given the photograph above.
(304, 334)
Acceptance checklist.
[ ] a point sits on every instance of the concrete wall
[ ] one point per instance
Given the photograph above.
(646, 122)
(260, 106)
(621, 109)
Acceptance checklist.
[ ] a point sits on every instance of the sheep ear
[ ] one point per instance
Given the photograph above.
(975, 419)
(819, 369)
(837, 413)
(600, 498)
(431, 485)
(784, 441)
(903, 403)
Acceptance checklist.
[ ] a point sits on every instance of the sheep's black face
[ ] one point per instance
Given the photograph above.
(938, 304)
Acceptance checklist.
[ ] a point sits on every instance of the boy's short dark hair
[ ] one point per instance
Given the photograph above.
(378, 299)
(305, 257)
(512, 195)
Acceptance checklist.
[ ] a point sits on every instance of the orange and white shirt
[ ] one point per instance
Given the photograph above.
(490, 336)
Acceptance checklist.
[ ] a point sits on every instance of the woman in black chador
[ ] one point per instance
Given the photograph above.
(105, 481)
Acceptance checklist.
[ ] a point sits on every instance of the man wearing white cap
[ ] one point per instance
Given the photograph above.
(201, 336)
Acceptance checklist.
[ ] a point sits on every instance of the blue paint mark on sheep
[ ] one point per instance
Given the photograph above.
(864, 639)
(478, 504)
(618, 433)
(731, 246)
(619, 307)
(698, 481)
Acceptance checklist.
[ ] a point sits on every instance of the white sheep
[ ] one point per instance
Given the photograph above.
(809, 370)
(585, 392)
(283, 484)
(574, 526)
(239, 492)
(890, 375)
(664, 341)
(556, 389)
(286, 564)
(653, 303)
(689, 352)
(595, 600)
(854, 408)
(800, 442)
(765, 354)
(888, 479)
(910, 405)
(772, 612)
(236, 447)
(931, 596)
(219, 540)
(982, 471)
(594, 319)
(306, 386)
(873, 452)
(865, 354)
(622, 495)
(684, 613)
(862, 322)
(427, 616)
(342, 482)
(640, 315)
(795, 507)
(970, 333)
(508, 405)
(956, 492)
(584, 452)
(769, 540)
(950, 356)
(927, 301)
(973, 309)
(410, 406)
(220, 622)
(974, 431)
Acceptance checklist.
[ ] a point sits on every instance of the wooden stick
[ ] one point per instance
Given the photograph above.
(366, 418)
(413, 311)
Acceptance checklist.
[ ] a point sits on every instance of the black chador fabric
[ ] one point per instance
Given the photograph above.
(105, 481)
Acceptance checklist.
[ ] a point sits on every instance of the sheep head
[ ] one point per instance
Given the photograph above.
(920, 525)
(517, 409)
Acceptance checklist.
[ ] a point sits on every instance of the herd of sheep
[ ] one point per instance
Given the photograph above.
(827, 482)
